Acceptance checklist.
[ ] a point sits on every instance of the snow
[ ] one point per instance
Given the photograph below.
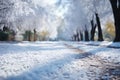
(56, 60)
(100, 48)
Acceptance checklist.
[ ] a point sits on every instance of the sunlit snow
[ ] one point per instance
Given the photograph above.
(57, 60)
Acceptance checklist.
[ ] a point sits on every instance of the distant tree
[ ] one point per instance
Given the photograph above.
(7, 34)
(116, 12)
(72, 38)
(3, 36)
(94, 8)
(100, 35)
(78, 35)
(81, 36)
(86, 34)
(27, 35)
(92, 30)
(35, 35)
(5, 28)
(75, 37)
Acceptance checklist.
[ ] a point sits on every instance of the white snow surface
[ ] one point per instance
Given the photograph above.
(53, 60)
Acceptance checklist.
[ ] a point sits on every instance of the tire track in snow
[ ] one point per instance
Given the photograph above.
(109, 70)
(106, 46)
(81, 52)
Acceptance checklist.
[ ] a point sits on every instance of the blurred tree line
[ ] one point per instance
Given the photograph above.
(29, 35)
(7, 34)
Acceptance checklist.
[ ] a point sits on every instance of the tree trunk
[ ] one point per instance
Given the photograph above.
(92, 30)
(81, 36)
(100, 35)
(116, 13)
(78, 38)
(86, 35)
(29, 35)
(75, 37)
(35, 37)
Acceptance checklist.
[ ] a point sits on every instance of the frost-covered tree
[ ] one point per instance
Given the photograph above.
(100, 7)
(116, 11)
(100, 35)
(74, 18)
(22, 15)
(92, 30)
(86, 34)
(60, 18)
(5, 7)
(95, 12)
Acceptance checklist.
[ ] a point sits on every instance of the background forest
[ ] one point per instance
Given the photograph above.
(79, 20)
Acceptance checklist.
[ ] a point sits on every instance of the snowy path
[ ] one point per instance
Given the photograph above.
(102, 57)
(57, 61)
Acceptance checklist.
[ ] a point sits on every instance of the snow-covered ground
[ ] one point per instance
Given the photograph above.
(59, 61)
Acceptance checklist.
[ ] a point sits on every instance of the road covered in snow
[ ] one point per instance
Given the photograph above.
(59, 60)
